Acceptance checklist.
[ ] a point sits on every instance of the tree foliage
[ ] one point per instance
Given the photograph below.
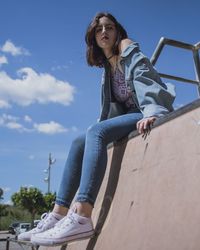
(49, 199)
(3, 210)
(33, 200)
(3, 213)
(29, 198)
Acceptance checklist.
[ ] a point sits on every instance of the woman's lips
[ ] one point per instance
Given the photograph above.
(105, 38)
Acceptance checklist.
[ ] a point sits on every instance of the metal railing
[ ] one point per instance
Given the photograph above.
(25, 244)
(195, 51)
(6, 241)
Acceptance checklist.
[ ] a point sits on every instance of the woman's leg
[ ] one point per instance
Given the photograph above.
(95, 154)
(71, 176)
(68, 187)
(86, 168)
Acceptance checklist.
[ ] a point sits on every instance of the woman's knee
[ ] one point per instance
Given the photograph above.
(79, 141)
(96, 130)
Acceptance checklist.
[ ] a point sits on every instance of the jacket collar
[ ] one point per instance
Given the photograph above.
(129, 49)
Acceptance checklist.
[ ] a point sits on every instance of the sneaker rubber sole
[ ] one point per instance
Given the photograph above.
(63, 241)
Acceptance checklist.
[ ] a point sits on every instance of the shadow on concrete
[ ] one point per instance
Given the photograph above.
(118, 153)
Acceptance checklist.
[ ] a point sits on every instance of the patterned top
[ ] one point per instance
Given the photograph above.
(121, 92)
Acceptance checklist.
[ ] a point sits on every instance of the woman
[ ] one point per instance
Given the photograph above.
(133, 96)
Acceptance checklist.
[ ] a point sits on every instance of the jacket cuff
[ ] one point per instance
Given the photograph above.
(154, 110)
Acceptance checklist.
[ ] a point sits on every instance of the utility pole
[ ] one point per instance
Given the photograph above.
(48, 171)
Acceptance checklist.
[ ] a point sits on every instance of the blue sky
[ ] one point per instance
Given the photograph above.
(48, 94)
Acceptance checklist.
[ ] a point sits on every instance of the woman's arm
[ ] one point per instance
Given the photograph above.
(154, 98)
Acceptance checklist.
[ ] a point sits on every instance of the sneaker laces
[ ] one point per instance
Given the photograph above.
(62, 224)
(44, 220)
(66, 221)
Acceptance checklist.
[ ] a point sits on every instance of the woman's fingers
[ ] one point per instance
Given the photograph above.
(144, 125)
(139, 126)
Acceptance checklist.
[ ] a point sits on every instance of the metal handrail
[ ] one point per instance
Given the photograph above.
(195, 50)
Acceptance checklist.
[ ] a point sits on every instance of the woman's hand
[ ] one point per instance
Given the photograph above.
(144, 125)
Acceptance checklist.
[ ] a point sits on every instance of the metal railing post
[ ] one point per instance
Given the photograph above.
(197, 67)
(194, 48)
(7, 243)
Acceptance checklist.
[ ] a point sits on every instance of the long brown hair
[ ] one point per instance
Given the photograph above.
(94, 54)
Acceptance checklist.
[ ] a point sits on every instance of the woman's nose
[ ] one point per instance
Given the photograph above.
(103, 29)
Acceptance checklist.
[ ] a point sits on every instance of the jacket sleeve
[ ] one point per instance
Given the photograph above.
(154, 97)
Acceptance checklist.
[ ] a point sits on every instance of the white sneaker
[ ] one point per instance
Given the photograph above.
(48, 220)
(72, 227)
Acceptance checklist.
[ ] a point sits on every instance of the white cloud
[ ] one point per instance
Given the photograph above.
(3, 60)
(15, 123)
(59, 67)
(10, 122)
(27, 118)
(9, 118)
(27, 186)
(32, 87)
(9, 47)
(31, 157)
(6, 189)
(50, 128)
(4, 104)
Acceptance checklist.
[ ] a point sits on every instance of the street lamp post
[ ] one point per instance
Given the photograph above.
(48, 171)
(1, 208)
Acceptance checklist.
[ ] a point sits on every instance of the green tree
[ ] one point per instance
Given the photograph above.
(3, 213)
(3, 210)
(49, 201)
(30, 199)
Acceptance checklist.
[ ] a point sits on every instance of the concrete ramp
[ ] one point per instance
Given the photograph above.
(149, 199)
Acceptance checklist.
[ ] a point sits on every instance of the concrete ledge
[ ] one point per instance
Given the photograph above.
(175, 114)
(149, 199)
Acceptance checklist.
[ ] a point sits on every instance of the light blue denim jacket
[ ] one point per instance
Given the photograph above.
(151, 95)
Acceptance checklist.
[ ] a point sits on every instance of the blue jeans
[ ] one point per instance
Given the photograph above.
(87, 159)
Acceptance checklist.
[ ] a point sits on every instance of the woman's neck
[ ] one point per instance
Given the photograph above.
(113, 61)
(107, 52)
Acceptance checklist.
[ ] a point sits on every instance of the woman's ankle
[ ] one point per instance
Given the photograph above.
(83, 209)
(60, 210)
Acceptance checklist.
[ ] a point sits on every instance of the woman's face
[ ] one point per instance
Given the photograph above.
(105, 34)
